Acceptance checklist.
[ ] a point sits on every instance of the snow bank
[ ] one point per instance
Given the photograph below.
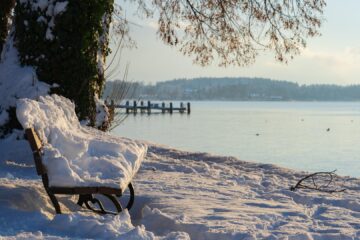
(24, 215)
(16, 81)
(215, 197)
(183, 195)
(75, 155)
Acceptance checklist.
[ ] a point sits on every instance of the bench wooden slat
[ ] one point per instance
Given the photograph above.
(85, 190)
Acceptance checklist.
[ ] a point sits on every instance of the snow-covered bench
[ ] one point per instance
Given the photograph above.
(77, 160)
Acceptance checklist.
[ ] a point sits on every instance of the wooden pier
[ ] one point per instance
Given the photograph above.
(139, 106)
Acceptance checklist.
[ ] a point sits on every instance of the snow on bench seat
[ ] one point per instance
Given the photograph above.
(78, 156)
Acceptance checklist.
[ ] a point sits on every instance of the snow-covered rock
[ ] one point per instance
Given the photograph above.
(75, 155)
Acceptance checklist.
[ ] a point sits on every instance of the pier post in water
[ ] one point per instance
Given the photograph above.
(142, 106)
(181, 107)
(135, 107)
(188, 108)
(127, 106)
(162, 107)
(171, 108)
(149, 107)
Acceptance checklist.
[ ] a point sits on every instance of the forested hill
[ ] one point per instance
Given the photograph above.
(239, 89)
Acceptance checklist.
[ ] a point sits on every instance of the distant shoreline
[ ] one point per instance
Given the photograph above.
(222, 100)
(233, 89)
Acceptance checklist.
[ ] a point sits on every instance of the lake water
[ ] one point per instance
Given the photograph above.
(312, 136)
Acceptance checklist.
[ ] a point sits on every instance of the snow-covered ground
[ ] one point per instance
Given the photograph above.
(182, 195)
(213, 197)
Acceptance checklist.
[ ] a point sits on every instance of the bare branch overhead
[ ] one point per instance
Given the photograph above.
(232, 32)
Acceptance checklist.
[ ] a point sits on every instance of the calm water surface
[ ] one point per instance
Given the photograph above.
(313, 136)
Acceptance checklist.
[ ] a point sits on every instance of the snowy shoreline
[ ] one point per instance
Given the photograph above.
(182, 195)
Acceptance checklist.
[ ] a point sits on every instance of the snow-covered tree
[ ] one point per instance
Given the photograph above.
(67, 43)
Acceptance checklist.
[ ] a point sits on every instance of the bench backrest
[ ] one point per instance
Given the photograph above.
(36, 145)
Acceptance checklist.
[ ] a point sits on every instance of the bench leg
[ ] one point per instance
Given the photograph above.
(54, 201)
(132, 197)
(89, 198)
(116, 203)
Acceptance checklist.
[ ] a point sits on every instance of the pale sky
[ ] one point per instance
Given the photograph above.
(332, 58)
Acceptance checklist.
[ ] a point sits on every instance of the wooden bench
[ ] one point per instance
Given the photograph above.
(86, 194)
